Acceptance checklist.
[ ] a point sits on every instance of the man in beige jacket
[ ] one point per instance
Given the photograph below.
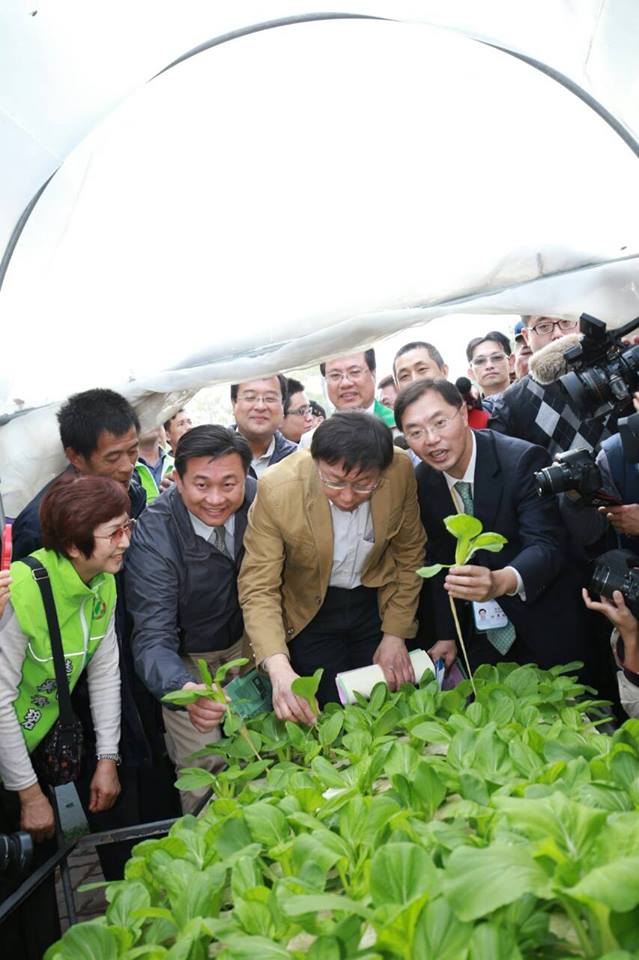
(328, 579)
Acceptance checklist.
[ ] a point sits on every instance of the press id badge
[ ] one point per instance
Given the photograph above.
(489, 615)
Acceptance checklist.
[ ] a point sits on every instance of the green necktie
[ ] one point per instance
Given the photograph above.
(502, 638)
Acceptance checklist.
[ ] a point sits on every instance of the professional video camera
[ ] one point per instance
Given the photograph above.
(605, 370)
(575, 470)
(617, 570)
(16, 853)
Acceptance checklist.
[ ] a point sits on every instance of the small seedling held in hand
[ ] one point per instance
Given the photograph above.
(468, 531)
(306, 688)
(214, 692)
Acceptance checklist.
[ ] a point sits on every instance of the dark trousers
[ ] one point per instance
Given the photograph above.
(343, 635)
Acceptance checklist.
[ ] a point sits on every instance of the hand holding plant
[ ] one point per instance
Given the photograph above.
(194, 696)
(468, 582)
(287, 704)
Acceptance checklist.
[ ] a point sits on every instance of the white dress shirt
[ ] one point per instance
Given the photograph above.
(208, 533)
(353, 540)
(469, 477)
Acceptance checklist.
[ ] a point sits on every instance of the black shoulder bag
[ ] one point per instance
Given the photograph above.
(58, 757)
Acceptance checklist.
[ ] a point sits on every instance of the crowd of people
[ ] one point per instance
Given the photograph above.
(293, 538)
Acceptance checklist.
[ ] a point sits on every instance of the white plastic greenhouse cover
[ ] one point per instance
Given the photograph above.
(305, 180)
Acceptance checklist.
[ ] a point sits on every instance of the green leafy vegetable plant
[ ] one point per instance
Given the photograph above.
(470, 536)
(408, 827)
(306, 688)
(214, 692)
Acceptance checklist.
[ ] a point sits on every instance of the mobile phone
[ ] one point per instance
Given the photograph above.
(7, 547)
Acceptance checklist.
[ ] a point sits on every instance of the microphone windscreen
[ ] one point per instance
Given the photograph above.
(549, 363)
(464, 385)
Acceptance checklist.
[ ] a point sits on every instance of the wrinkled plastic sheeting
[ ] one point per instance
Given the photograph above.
(299, 192)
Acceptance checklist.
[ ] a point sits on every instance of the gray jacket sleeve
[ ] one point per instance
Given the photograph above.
(152, 585)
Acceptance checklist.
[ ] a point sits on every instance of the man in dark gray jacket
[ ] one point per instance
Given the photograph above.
(181, 583)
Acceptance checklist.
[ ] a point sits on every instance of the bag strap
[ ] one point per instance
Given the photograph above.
(41, 577)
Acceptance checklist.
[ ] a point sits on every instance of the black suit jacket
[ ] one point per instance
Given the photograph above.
(506, 502)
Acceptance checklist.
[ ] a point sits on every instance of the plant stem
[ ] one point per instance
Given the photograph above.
(461, 642)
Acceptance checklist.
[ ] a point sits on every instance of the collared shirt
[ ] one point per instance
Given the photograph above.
(260, 464)
(353, 540)
(208, 533)
(158, 469)
(469, 477)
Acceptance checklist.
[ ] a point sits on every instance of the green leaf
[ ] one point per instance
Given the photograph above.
(330, 729)
(440, 934)
(129, 897)
(86, 941)
(194, 778)
(250, 948)
(463, 526)
(491, 942)
(297, 905)
(267, 824)
(401, 872)
(306, 688)
(205, 673)
(494, 542)
(616, 885)
(432, 571)
(479, 881)
(221, 672)
(182, 697)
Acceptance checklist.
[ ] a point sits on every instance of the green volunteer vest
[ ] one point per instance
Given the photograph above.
(148, 480)
(385, 414)
(84, 613)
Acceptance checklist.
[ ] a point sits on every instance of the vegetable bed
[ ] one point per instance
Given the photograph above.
(412, 826)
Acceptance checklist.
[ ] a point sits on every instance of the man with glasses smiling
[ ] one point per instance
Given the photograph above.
(258, 408)
(545, 414)
(332, 545)
(490, 476)
(298, 414)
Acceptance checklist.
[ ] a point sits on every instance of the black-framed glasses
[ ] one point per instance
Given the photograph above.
(544, 327)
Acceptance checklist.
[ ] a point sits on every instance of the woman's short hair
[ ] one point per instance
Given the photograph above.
(74, 505)
(356, 438)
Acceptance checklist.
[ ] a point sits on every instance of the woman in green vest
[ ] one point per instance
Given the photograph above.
(86, 530)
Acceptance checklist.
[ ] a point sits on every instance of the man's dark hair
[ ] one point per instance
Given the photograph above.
(293, 386)
(317, 409)
(388, 381)
(167, 423)
(496, 336)
(283, 382)
(358, 439)
(86, 415)
(369, 357)
(210, 440)
(432, 351)
(416, 390)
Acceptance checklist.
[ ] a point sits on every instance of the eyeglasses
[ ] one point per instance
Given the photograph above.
(493, 358)
(269, 399)
(544, 327)
(353, 374)
(116, 536)
(345, 485)
(300, 412)
(438, 426)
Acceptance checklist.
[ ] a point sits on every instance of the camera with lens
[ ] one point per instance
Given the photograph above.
(605, 371)
(574, 470)
(16, 853)
(617, 570)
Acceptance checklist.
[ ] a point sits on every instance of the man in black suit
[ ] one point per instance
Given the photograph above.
(526, 592)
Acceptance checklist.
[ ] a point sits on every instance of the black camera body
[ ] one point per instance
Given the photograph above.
(574, 470)
(617, 570)
(16, 854)
(605, 370)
